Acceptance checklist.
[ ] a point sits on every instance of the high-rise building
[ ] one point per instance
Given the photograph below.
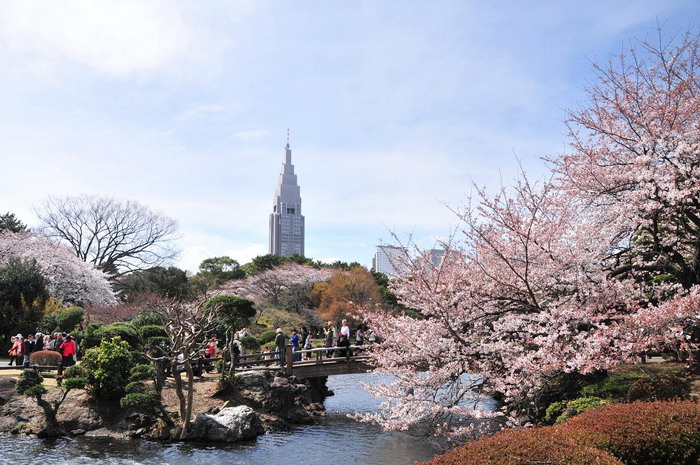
(389, 259)
(435, 256)
(286, 220)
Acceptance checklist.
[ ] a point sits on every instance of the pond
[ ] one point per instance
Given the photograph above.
(337, 440)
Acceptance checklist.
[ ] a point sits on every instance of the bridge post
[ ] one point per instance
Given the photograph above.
(290, 360)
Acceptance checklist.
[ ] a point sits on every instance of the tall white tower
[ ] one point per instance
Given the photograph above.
(286, 220)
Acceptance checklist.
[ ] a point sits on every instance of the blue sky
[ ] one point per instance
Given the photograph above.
(394, 107)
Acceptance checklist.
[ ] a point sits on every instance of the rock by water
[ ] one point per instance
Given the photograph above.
(231, 424)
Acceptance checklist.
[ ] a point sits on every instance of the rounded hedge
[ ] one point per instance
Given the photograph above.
(140, 401)
(126, 331)
(528, 446)
(45, 358)
(267, 336)
(665, 387)
(250, 343)
(642, 433)
(149, 331)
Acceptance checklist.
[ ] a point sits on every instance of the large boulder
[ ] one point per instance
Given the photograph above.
(253, 380)
(231, 424)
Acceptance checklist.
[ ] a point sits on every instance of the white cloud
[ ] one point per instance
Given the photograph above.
(117, 38)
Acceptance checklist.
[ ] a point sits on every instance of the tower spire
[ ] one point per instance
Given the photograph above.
(287, 137)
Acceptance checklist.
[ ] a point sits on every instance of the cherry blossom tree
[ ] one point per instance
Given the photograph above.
(69, 279)
(635, 164)
(286, 285)
(596, 266)
(518, 301)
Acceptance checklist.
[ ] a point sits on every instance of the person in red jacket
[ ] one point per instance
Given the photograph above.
(68, 350)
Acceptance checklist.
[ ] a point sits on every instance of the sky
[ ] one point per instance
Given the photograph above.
(396, 109)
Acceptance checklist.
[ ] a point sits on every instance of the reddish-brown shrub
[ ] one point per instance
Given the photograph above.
(665, 387)
(520, 447)
(642, 433)
(45, 358)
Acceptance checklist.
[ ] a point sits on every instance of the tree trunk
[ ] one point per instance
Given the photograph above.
(52, 429)
(178, 388)
(190, 399)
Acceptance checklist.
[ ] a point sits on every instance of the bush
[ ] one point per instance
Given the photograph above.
(232, 311)
(146, 318)
(87, 336)
(159, 345)
(126, 331)
(267, 336)
(135, 387)
(142, 372)
(149, 331)
(665, 387)
(45, 358)
(141, 401)
(250, 343)
(69, 319)
(75, 371)
(27, 380)
(109, 366)
(559, 412)
(48, 323)
(642, 433)
(529, 446)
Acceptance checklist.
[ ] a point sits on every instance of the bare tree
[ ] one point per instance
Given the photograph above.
(187, 325)
(115, 236)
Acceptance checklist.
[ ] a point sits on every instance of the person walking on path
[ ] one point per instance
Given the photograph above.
(14, 350)
(28, 346)
(281, 345)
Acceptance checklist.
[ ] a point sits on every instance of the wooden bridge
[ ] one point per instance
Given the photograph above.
(313, 363)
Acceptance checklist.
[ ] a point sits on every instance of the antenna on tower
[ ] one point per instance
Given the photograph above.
(287, 137)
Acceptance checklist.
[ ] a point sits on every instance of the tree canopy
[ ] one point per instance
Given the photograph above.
(115, 236)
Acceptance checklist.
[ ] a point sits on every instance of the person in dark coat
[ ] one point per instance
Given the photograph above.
(329, 339)
(38, 342)
(281, 344)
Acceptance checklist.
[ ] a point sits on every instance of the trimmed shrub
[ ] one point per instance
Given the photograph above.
(149, 331)
(126, 331)
(665, 387)
(28, 379)
(250, 343)
(559, 412)
(109, 366)
(75, 371)
(267, 336)
(87, 336)
(142, 372)
(141, 401)
(529, 446)
(68, 319)
(146, 318)
(45, 358)
(642, 433)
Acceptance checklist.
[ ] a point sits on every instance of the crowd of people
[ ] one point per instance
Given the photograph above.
(338, 341)
(22, 348)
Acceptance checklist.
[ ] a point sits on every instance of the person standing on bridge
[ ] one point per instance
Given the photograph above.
(329, 339)
(281, 345)
(345, 331)
(295, 346)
